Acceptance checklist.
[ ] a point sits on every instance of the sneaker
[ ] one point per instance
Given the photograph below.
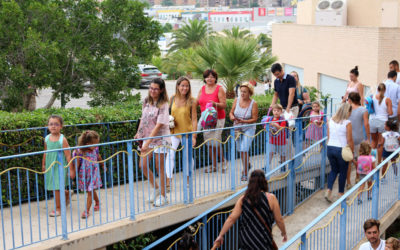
(244, 178)
(349, 186)
(153, 194)
(369, 198)
(328, 196)
(96, 207)
(359, 202)
(160, 201)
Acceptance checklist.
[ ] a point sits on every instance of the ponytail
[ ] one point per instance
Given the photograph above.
(381, 89)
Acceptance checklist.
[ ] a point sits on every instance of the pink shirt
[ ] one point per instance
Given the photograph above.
(206, 98)
(151, 115)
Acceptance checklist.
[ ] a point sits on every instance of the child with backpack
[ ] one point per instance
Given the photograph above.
(278, 134)
(365, 164)
(390, 143)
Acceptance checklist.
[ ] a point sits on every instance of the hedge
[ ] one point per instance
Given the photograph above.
(32, 140)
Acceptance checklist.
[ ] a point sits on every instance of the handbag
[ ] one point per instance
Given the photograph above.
(274, 246)
(347, 154)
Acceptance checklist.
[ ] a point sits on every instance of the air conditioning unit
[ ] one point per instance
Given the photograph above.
(331, 13)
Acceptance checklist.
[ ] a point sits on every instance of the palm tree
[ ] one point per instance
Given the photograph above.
(190, 35)
(264, 41)
(235, 60)
(235, 32)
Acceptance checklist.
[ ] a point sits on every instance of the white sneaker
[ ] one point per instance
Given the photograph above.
(160, 201)
(153, 194)
(328, 196)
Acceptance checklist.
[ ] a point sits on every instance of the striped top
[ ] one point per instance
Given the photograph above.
(252, 232)
(243, 113)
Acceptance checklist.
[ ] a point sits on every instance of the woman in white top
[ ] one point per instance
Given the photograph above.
(339, 135)
(382, 111)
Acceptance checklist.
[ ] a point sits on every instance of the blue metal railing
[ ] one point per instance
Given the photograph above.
(345, 216)
(210, 229)
(125, 190)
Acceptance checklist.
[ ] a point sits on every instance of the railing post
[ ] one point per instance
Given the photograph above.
(60, 158)
(204, 234)
(185, 168)
(303, 245)
(190, 167)
(331, 105)
(233, 157)
(291, 188)
(375, 196)
(323, 155)
(267, 149)
(131, 181)
(326, 105)
(298, 140)
(343, 219)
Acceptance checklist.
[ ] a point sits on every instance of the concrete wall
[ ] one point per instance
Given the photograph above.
(371, 13)
(334, 51)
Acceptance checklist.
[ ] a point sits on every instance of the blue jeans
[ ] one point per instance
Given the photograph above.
(338, 166)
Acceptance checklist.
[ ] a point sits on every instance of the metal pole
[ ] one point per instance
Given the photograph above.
(131, 181)
(60, 158)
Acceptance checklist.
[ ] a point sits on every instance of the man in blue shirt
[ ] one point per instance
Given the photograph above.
(285, 88)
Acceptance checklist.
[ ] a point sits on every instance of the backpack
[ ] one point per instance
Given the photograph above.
(391, 143)
(209, 117)
(369, 104)
(364, 164)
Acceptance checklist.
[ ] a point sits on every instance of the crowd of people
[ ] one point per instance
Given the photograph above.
(257, 208)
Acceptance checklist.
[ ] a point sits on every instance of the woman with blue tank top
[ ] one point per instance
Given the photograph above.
(377, 120)
(244, 111)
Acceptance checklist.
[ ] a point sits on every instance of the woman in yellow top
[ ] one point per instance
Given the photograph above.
(183, 109)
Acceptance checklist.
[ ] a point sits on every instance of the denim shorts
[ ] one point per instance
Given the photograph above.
(376, 126)
(386, 154)
(243, 142)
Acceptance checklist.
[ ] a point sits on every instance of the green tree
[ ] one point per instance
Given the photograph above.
(167, 28)
(64, 44)
(190, 35)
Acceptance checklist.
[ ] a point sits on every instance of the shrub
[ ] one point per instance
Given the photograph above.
(32, 140)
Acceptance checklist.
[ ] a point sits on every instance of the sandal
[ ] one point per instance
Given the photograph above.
(54, 213)
(85, 214)
(210, 170)
(96, 207)
(244, 178)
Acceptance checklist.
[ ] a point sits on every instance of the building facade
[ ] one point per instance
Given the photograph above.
(324, 55)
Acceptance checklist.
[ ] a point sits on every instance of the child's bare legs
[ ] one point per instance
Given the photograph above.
(360, 189)
(144, 166)
(384, 169)
(58, 200)
(89, 200)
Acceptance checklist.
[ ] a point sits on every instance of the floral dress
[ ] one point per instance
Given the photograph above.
(151, 115)
(315, 132)
(89, 173)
